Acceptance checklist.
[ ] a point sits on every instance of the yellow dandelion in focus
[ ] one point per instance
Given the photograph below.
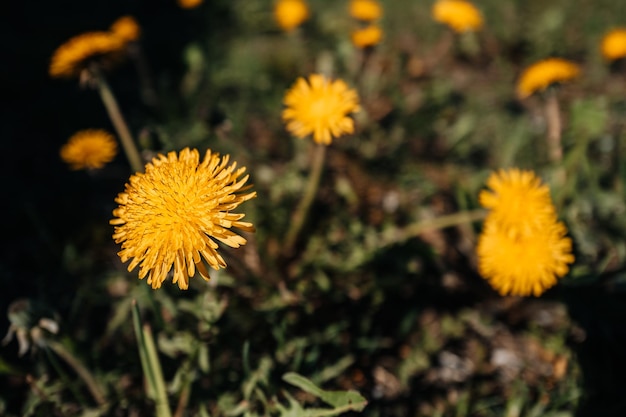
(543, 74)
(365, 10)
(89, 149)
(320, 107)
(517, 200)
(77, 53)
(289, 14)
(173, 214)
(460, 15)
(367, 36)
(127, 28)
(614, 44)
(526, 264)
(189, 4)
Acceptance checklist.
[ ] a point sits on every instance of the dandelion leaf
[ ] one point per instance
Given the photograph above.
(341, 400)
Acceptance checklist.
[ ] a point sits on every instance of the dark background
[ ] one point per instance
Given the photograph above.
(45, 204)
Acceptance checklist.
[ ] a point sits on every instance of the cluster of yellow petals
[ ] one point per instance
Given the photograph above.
(367, 37)
(127, 28)
(320, 107)
(189, 4)
(614, 44)
(514, 194)
(460, 15)
(365, 10)
(105, 47)
(543, 74)
(173, 214)
(289, 14)
(75, 54)
(89, 149)
(523, 248)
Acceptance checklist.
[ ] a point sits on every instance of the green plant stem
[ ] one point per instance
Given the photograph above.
(150, 365)
(113, 109)
(143, 355)
(553, 138)
(92, 385)
(553, 120)
(302, 211)
(64, 377)
(441, 222)
(162, 405)
(183, 400)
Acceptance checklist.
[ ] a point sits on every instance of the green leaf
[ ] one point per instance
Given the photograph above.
(343, 400)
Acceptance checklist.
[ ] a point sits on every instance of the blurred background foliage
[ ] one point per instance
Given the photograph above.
(404, 320)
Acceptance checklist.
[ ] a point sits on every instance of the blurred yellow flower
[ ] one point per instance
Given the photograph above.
(320, 107)
(522, 249)
(127, 28)
(367, 36)
(614, 44)
(189, 4)
(517, 200)
(77, 53)
(89, 149)
(542, 74)
(460, 15)
(365, 10)
(526, 264)
(290, 14)
(173, 214)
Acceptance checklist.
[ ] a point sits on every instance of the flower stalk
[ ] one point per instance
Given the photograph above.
(554, 127)
(113, 110)
(155, 385)
(92, 385)
(301, 213)
(441, 222)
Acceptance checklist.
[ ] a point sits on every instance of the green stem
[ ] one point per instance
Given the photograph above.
(553, 137)
(150, 365)
(64, 377)
(113, 109)
(162, 405)
(553, 120)
(143, 355)
(92, 385)
(413, 230)
(302, 211)
(441, 222)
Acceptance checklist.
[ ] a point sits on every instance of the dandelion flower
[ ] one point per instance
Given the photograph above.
(365, 10)
(460, 15)
(173, 214)
(320, 107)
(77, 53)
(543, 74)
(367, 36)
(614, 44)
(89, 149)
(517, 200)
(290, 14)
(189, 4)
(525, 264)
(522, 249)
(127, 28)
